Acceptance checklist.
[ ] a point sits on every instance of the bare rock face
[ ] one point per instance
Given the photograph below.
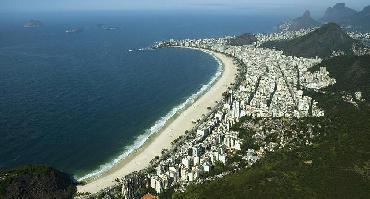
(303, 22)
(339, 13)
(361, 21)
(133, 184)
(306, 14)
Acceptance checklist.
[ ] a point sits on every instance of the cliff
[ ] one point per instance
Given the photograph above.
(361, 20)
(339, 13)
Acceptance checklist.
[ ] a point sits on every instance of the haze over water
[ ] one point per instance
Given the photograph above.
(75, 101)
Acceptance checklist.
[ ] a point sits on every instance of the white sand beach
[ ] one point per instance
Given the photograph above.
(176, 127)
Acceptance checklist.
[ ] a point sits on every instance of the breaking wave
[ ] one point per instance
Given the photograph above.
(158, 125)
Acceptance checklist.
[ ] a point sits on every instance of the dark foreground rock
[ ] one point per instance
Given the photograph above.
(36, 182)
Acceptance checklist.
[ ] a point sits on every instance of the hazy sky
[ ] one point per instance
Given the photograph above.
(267, 5)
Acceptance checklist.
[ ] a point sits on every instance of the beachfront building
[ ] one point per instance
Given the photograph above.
(272, 86)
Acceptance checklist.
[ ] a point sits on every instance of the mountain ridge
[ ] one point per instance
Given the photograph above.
(303, 22)
(339, 13)
(321, 42)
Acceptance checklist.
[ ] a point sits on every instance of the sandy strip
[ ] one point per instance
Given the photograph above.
(140, 159)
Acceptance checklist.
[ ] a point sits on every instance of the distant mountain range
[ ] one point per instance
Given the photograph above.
(339, 14)
(361, 20)
(303, 22)
(345, 16)
(321, 42)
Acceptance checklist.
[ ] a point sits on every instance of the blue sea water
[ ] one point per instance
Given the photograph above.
(79, 101)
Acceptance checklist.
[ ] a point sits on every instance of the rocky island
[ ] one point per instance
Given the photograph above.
(33, 24)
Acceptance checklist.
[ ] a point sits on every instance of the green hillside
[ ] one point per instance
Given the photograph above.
(321, 42)
(336, 165)
(36, 182)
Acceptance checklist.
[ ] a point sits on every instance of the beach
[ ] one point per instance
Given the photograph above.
(176, 127)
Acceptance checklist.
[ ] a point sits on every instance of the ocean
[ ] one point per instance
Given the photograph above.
(81, 101)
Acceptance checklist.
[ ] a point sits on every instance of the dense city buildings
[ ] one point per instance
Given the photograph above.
(270, 86)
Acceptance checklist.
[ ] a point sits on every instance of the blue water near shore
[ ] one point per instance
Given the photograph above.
(79, 101)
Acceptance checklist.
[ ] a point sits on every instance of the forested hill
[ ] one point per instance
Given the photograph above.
(321, 42)
(336, 165)
(352, 74)
(36, 182)
(244, 39)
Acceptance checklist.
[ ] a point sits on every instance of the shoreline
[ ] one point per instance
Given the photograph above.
(151, 133)
(174, 127)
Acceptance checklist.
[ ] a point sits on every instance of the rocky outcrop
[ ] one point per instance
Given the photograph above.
(303, 22)
(32, 24)
(133, 184)
(339, 14)
(244, 39)
(361, 21)
(36, 182)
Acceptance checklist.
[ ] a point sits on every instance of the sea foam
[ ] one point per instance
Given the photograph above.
(158, 125)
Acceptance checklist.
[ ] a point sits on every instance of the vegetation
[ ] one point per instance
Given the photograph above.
(336, 165)
(351, 72)
(361, 20)
(339, 13)
(321, 42)
(244, 39)
(36, 182)
(358, 21)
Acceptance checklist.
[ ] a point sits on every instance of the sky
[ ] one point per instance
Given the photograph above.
(224, 5)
